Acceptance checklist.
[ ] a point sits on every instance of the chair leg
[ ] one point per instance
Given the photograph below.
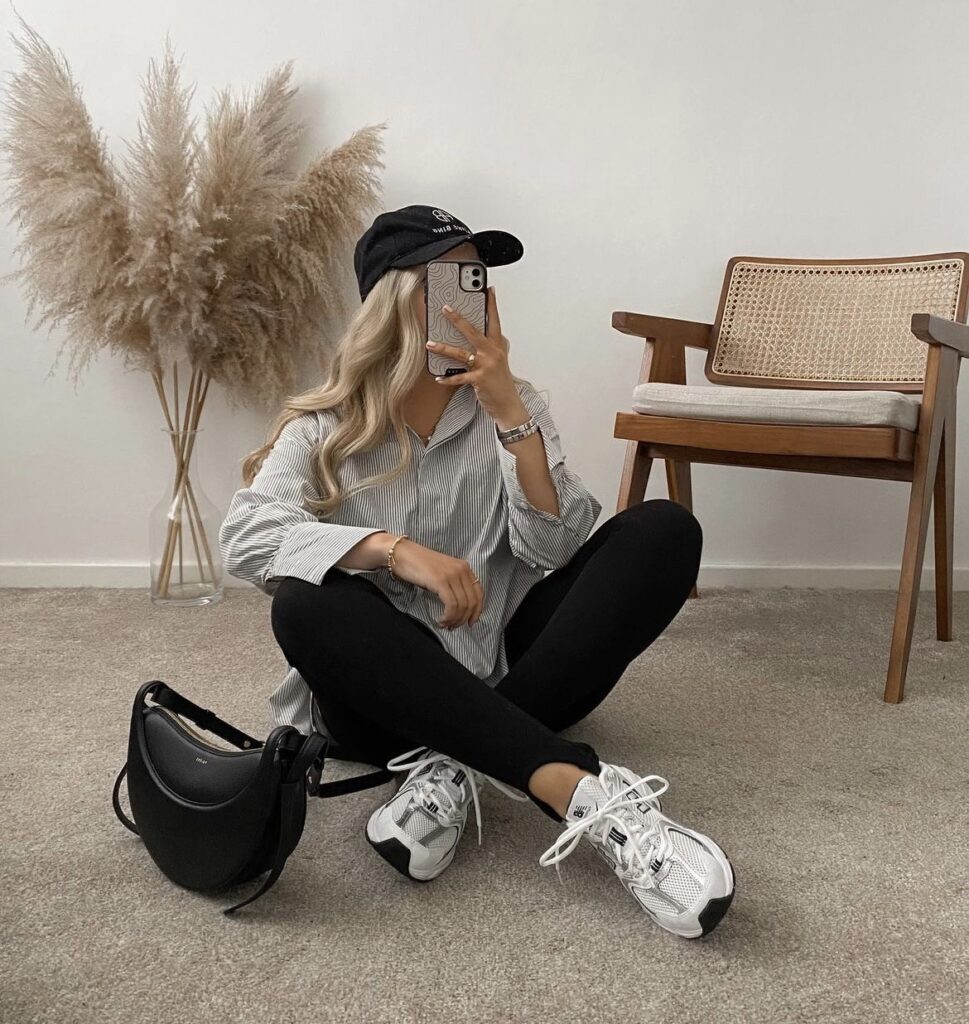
(679, 481)
(944, 510)
(912, 559)
(635, 475)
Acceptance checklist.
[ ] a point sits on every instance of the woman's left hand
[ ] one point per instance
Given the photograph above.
(490, 376)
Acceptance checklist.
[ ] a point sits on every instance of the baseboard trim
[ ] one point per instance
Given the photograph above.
(749, 577)
(818, 577)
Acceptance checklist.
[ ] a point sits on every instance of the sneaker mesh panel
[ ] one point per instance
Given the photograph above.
(681, 885)
(443, 839)
(689, 849)
(418, 825)
(655, 901)
(421, 826)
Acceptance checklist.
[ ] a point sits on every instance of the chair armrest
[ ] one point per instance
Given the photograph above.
(936, 330)
(661, 328)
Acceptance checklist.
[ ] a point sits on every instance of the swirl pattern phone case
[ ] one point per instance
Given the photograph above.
(443, 286)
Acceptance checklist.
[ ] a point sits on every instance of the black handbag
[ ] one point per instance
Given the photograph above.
(213, 818)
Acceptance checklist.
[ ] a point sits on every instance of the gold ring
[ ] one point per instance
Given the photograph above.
(471, 359)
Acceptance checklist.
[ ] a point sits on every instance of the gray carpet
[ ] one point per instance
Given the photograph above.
(846, 819)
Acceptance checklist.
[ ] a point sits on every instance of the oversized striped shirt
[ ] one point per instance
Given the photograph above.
(461, 495)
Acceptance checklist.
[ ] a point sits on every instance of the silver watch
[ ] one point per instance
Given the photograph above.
(517, 433)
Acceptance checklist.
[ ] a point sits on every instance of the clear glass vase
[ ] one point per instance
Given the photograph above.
(183, 533)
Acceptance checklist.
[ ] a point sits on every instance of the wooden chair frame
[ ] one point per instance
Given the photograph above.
(925, 457)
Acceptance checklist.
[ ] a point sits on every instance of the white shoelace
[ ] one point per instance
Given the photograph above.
(631, 825)
(442, 795)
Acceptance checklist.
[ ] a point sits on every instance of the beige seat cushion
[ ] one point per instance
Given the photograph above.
(778, 405)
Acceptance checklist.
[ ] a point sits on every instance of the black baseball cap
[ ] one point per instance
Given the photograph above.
(416, 234)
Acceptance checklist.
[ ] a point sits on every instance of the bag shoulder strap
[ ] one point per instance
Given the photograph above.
(340, 787)
(337, 751)
(122, 817)
(292, 802)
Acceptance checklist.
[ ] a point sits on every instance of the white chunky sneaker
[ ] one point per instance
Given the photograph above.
(681, 878)
(418, 829)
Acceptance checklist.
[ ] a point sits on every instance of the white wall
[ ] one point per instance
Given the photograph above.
(633, 146)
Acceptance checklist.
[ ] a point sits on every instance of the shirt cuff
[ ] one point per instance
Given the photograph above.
(310, 550)
(509, 469)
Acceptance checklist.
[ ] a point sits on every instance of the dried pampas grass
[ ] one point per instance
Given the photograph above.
(205, 250)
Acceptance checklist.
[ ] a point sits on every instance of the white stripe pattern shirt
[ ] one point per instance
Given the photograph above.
(461, 495)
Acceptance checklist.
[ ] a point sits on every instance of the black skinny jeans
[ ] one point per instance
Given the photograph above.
(386, 684)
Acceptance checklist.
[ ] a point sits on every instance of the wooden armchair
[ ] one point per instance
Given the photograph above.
(845, 367)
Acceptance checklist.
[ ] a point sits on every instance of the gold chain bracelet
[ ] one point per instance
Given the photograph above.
(390, 555)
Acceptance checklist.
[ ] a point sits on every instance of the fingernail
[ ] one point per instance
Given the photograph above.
(439, 378)
(448, 308)
(430, 344)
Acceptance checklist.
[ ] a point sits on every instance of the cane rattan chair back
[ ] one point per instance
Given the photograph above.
(831, 323)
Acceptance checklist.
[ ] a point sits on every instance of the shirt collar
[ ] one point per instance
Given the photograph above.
(459, 411)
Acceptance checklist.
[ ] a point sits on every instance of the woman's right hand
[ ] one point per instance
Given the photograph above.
(452, 579)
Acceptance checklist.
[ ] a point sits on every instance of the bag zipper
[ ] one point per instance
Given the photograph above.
(196, 735)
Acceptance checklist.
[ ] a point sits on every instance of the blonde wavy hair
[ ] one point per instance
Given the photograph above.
(376, 363)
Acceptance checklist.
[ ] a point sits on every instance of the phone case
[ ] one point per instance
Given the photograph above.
(443, 286)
